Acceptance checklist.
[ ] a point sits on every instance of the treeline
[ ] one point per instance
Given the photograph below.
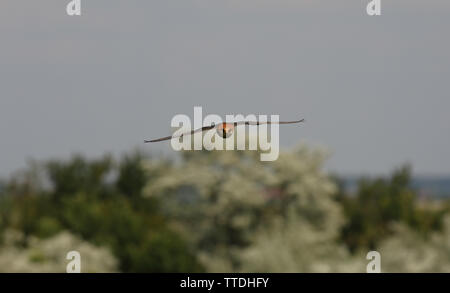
(213, 211)
(101, 201)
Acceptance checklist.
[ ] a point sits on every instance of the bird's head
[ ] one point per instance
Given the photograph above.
(225, 129)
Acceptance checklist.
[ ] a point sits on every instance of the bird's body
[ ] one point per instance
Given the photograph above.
(223, 129)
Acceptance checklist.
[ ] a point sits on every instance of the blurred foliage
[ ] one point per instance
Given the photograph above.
(227, 201)
(407, 251)
(100, 201)
(380, 202)
(217, 211)
(49, 255)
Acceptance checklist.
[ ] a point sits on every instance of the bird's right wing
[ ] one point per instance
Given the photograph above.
(205, 128)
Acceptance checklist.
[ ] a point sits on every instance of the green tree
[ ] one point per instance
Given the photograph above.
(380, 202)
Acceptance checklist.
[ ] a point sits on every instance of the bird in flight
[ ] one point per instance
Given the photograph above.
(223, 129)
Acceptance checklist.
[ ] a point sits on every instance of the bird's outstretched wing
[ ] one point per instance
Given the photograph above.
(267, 122)
(181, 135)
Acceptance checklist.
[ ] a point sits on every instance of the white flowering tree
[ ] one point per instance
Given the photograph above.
(242, 214)
(49, 255)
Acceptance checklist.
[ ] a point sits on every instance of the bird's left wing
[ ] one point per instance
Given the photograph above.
(267, 122)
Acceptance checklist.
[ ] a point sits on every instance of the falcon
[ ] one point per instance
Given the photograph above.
(223, 129)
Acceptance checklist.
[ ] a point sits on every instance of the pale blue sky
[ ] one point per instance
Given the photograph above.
(374, 90)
